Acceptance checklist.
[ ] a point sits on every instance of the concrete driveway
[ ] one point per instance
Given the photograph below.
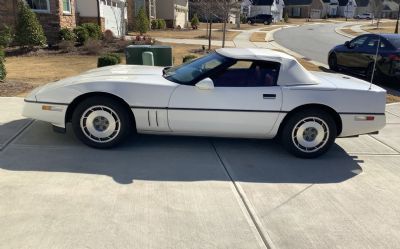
(184, 192)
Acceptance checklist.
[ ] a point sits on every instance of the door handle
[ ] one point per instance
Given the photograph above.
(269, 96)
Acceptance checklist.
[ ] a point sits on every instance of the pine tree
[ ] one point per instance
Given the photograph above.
(195, 21)
(29, 32)
(142, 22)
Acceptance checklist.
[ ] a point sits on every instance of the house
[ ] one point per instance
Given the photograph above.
(331, 8)
(363, 6)
(304, 8)
(174, 12)
(133, 7)
(390, 9)
(109, 14)
(347, 8)
(52, 14)
(269, 7)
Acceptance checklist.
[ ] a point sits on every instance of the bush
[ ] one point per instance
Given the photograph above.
(243, 18)
(286, 17)
(108, 36)
(67, 34)
(6, 36)
(115, 55)
(93, 46)
(106, 60)
(93, 29)
(3, 72)
(82, 35)
(161, 24)
(66, 46)
(29, 32)
(189, 57)
(195, 22)
(142, 22)
(154, 24)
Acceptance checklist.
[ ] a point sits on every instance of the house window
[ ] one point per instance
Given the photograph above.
(39, 5)
(67, 6)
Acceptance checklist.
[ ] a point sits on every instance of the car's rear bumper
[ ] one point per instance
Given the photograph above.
(48, 112)
(358, 124)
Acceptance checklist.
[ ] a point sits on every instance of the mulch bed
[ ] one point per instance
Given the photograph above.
(13, 88)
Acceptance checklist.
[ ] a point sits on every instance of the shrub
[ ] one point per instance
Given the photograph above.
(3, 72)
(243, 19)
(106, 60)
(154, 24)
(108, 36)
(195, 22)
(29, 32)
(93, 46)
(82, 35)
(6, 36)
(161, 24)
(115, 55)
(142, 22)
(189, 57)
(93, 29)
(286, 17)
(66, 46)
(67, 34)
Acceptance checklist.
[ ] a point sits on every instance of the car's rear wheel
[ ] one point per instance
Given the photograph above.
(266, 23)
(101, 122)
(309, 133)
(332, 61)
(249, 22)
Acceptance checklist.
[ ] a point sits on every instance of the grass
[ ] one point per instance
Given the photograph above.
(350, 32)
(191, 34)
(386, 27)
(231, 26)
(258, 37)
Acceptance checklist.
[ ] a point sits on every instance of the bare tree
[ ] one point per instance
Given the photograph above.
(226, 10)
(377, 7)
(396, 30)
(206, 9)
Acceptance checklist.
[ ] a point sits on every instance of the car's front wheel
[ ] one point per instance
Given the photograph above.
(309, 133)
(101, 122)
(332, 61)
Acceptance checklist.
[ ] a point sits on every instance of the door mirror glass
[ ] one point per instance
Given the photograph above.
(205, 84)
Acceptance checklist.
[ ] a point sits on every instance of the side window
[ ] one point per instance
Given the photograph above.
(248, 74)
(373, 42)
(358, 42)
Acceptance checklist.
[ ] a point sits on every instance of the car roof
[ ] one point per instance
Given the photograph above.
(291, 71)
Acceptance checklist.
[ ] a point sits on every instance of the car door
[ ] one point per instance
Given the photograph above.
(370, 50)
(351, 56)
(245, 102)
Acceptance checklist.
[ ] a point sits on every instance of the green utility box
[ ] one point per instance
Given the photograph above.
(162, 55)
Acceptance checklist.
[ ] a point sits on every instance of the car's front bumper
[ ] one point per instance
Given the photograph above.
(49, 112)
(358, 124)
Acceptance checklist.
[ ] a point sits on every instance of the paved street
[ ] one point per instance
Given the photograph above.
(312, 41)
(184, 192)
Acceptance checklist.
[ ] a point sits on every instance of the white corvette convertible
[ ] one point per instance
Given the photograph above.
(248, 93)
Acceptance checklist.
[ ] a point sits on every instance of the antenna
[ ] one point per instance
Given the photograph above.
(375, 60)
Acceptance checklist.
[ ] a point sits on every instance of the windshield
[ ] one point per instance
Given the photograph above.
(193, 70)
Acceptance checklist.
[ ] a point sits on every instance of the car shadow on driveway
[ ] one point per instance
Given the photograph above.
(167, 158)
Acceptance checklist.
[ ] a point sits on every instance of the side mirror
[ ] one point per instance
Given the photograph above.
(205, 84)
(347, 44)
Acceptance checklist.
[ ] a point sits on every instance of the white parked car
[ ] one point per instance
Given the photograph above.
(247, 93)
(367, 16)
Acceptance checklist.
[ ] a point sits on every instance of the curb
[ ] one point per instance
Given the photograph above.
(338, 31)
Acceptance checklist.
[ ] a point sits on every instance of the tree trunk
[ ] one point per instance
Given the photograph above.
(224, 34)
(209, 36)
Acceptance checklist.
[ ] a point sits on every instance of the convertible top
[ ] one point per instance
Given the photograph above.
(291, 72)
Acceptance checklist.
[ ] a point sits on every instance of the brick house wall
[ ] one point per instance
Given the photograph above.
(52, 21)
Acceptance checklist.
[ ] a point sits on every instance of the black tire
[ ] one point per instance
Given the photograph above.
(309, 133)
(332, 61)
(107, 117)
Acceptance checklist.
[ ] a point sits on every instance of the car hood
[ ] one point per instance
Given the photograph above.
(147, 75)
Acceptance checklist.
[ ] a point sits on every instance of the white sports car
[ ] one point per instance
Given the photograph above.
(248, 93)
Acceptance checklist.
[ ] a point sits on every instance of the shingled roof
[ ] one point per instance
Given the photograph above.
(263, 2)
(362, 3)
(297, 2)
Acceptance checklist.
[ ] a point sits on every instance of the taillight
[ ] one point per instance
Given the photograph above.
(394, 57)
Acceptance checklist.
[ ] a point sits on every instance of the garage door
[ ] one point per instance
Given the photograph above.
(315, 14)
(114, 18)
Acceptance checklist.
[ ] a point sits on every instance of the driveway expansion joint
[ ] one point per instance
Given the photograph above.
(246, 203)
(18, 134)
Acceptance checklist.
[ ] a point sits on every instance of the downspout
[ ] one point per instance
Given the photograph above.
(98, 13)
